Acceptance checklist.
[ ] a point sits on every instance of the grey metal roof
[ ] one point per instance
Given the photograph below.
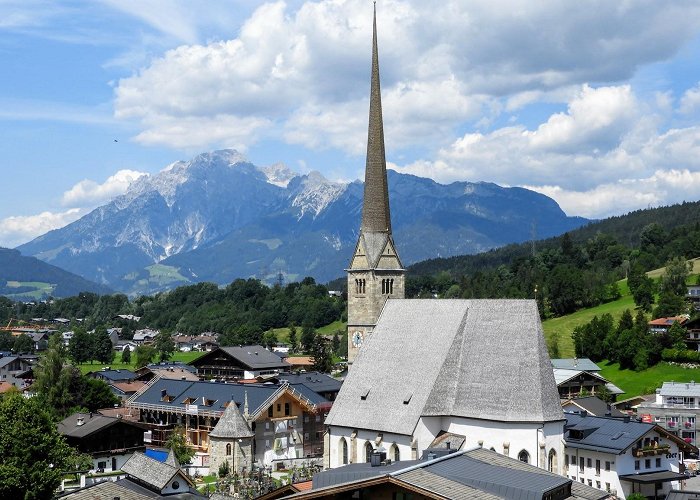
(4, 361)
(357, 471)
(445, 487)
(583, 364)
(683, 495)
(317, 382)
(91, 423)
(690, 389)
(232, 424)
(106, 489)
(498, 480)
(254, 357)
(562, 375)
(114, 375)
(218, 392)
(609, 435)
(149, 470)
(593, 405)
(482, 359)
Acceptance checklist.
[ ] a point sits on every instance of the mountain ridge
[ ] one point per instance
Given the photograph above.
(218, 217)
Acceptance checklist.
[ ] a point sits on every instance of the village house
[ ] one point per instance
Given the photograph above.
(592, 405)
(236, 363)
(281, 417)
(675, 408)
(580, 377)
(661, 325)
(622, 456)
(16, 371)
(110, 441)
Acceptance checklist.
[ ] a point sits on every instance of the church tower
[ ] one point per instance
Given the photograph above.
(376, 273)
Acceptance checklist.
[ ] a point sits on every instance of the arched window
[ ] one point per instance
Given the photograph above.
(228, 449)
(343, 448)
(524, 456)
(368, 452)
(391, 286)
(552, 464)
(394, 453)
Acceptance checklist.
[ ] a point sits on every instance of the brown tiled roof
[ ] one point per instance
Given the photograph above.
(129, 387)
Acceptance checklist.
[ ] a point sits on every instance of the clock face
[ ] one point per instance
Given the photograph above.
(357, 339)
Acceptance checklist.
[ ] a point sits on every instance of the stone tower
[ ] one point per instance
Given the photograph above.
(231, 440)
(375, 273)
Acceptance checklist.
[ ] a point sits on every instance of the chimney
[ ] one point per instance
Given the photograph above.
(80, 421)
(163, 393)
(626, 419)
(584, 413)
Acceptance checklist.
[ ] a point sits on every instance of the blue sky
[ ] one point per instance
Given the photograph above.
(594, 103)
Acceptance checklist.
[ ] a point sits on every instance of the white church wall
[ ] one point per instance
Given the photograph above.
(356, 453)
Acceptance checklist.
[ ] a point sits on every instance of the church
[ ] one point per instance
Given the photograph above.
(429, 374)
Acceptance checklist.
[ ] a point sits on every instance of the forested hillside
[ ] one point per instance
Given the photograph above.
(241, 311)
(577, 270)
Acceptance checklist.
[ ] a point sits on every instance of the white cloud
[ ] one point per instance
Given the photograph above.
(19, 229)
(690, 101)
(301, 74)
(88, 193)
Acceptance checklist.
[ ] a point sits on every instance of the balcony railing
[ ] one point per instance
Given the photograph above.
(646, 451)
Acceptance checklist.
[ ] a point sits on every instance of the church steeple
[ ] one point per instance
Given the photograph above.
(375, 209)
(375, 273)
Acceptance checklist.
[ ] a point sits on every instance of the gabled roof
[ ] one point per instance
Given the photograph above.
(151, 472)
(482, 359)
(593, 405)
(252, 357)
(473, 474)
(583, 364)
(71, 426)
(689, 389)
(232, 424)
(562, 375)
(210, 396)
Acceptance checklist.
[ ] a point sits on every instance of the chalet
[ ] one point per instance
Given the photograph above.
(124, 390)
(592, 405)
(623, 456)
(280, 416)
(475, 473)
(661, 325)
(145, 336)
(123, 344)
(300, 363)
(110, 441)
(577, 383)
(235, 363)
(693, 296)
(16, 371)
(692, 336)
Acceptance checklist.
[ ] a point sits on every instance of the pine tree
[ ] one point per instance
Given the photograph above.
(126, 355)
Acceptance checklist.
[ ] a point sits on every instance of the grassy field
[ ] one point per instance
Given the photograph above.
(562, 327)
(40, 291)
(117, 364)
(646, 381)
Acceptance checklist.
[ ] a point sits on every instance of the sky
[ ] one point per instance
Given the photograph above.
(594, 103)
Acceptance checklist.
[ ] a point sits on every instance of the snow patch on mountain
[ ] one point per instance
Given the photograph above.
(278, 174)
(314, 193)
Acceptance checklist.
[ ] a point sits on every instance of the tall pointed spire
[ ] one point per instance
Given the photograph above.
(375, 209)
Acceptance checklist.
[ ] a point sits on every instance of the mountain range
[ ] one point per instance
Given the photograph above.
(218, 217)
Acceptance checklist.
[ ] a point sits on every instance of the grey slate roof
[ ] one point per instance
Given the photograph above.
(232, 424)
(605, 434)
(690, 389)
(171, 459)
(482, 359)
(583, 364)
(150, 471)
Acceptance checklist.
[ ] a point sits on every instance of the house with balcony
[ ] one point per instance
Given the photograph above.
(693, 296)
(16, 371)
(675, 408)
(623, 456)
(239, 363)
(661, 325)
(577, 378)
(286, 419)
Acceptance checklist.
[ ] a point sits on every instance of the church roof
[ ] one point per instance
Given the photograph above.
(375, 208)
(482, 359)
(232, 424)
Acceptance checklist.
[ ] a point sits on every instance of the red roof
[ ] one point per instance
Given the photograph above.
(668, 321)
